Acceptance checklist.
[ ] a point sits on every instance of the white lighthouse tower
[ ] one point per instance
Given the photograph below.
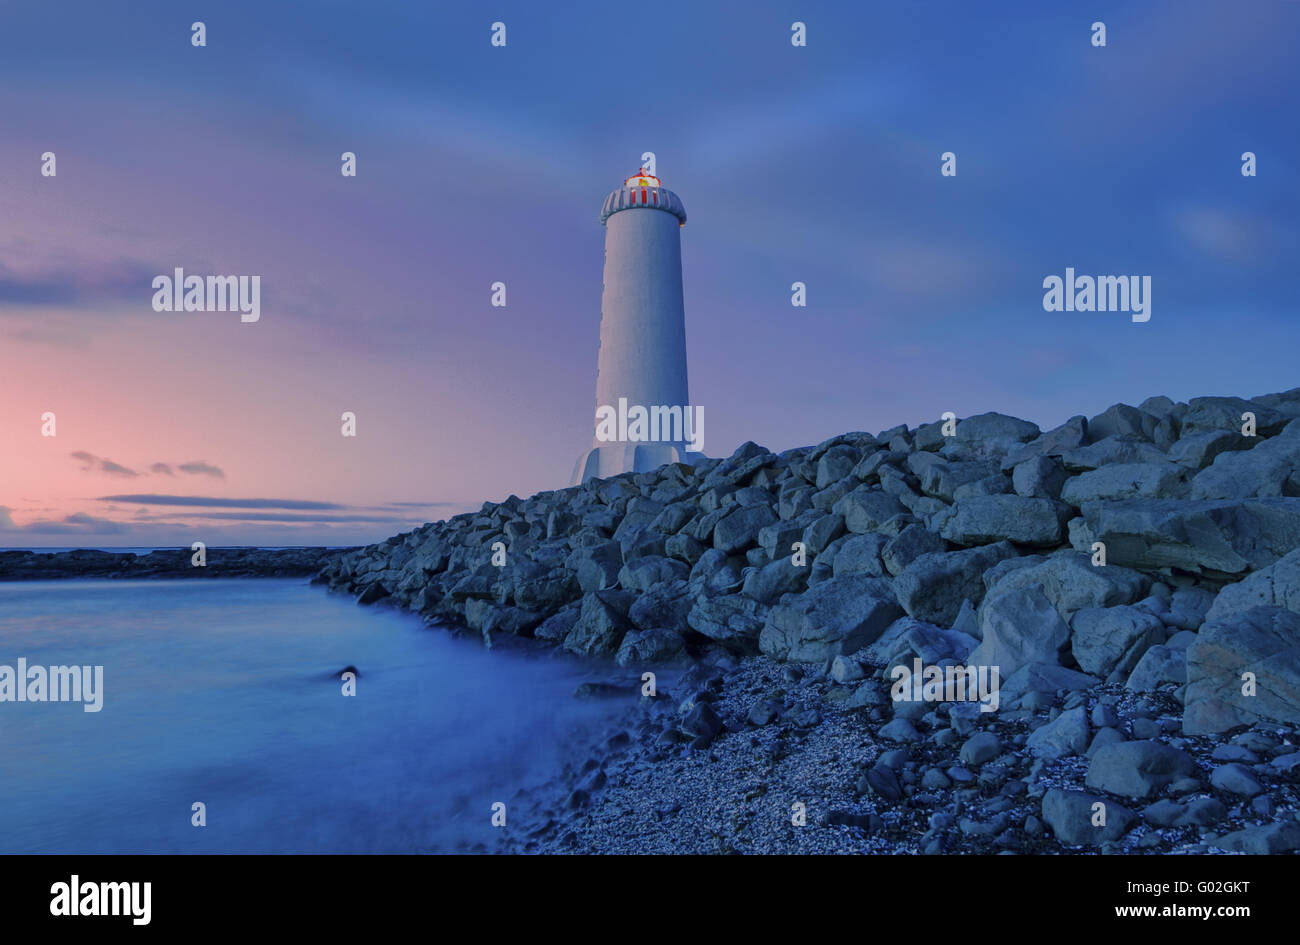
(641, 369)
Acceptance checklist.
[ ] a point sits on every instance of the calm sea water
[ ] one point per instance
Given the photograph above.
(220, 691)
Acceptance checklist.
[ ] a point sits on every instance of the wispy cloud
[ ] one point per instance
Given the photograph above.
(92, 463)
(80, 282)
(203, 501)
(200, 468)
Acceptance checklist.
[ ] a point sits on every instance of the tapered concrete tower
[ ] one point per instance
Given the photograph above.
(641, 369)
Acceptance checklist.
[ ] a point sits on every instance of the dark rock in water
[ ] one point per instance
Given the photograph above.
(601, 690)
(347, 669)
(375, 592)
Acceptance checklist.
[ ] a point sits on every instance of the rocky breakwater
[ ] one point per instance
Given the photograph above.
(1134, 578)
(162, 563)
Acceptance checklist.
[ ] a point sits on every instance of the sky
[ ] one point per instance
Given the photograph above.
(479, 164)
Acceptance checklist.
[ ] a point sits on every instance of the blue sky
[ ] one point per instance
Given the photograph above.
(478, 164)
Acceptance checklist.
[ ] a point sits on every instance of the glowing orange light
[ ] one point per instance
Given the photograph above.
(642, 179)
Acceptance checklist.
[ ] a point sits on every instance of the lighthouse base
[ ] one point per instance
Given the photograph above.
(601, 462)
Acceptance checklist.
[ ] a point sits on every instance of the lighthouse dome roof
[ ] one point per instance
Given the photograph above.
(642, 191)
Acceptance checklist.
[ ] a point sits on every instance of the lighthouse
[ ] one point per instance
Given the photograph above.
(643, 417)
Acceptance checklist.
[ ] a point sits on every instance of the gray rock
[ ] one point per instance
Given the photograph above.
(702, 721)
(980, 748)
(1072, 815)
(649, 646)
(860, 554)
(934, 586)
(820, 533)
(1229, 536)
(1158, 666)
(1070, 435)
(1017, 627)
(1043, 678)
(1264, 641)
(1271, 468)
(1224, 413)
(1066, 735)
(846, 670)
(1188, 607)
(1107, 639)
(664, 605)
(599, 628)
(768, 583)
(1198, 450)
(900, 730)
(1201, 813)
(992, 430)
(731, 619)
(1039, 478)
(1277, 585)
(982, 520)
(840, 615)
(912, 542)
(1137, 769)
(1112, 450)
(1070, 581)
(739, 529)
(1235, 778)
(1270, 838)
(641, 574)
(882, 780)
(864, 509)
(1122, 420)
(1127, 481)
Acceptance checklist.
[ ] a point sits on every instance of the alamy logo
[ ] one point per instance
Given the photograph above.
(947, 684)
(78, 898)
(53, 684)
(182, 293)
(637, 424)
(1098, 294)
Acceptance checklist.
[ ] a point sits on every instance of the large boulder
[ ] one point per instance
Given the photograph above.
(865, 509)
(733, 620)
(1226, 536)
(768, 583)
(1264, 642)
(1206, 414)
(599, 628)
(1198, 450)
(1112, 449)
(1018, 627)
(982, 520)
(1278, 585)
(738, 530)
(860, 554)
(641, 574)
(1070, 581)
(656, 645)
(1271, 468)
(1127, 481)
(1122, 420)
(1077, 820)
(934, 586)
(1113, 639)
(839, 615)
(1137, 769)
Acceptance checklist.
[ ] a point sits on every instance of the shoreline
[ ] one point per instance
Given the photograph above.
(25, 565)
(1120, 572)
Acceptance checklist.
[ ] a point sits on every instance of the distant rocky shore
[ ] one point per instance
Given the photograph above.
(162, 563)
(1133, 577)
